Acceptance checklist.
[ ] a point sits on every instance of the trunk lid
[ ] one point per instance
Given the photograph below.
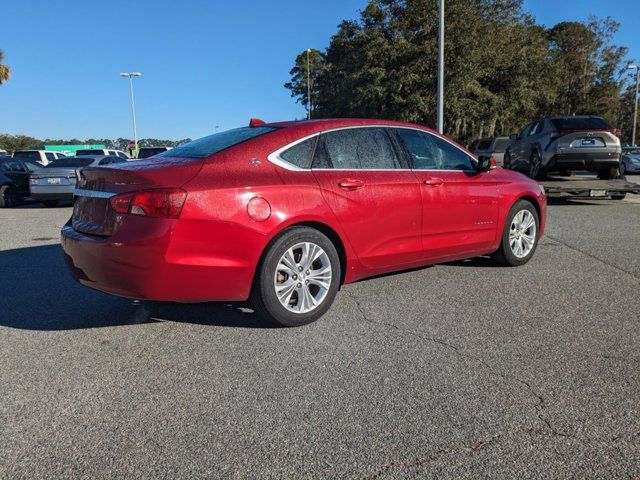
(92, 212)
(589, 140)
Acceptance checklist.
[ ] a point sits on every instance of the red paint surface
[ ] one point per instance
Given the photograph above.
(383, 220)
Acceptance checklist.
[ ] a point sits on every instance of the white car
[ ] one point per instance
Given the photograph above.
(43, 157)
(102, 151)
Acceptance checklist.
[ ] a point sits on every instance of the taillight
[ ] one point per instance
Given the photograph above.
(162, 202)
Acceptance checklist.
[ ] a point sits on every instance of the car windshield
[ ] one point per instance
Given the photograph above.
(580, 123)
(71, 162)
(150, 152)
(207, 146)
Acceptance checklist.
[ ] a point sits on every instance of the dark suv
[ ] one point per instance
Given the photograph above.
(565, 144)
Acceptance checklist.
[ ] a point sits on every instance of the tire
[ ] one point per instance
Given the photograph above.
(297, 292)
(507, 255)
(623, 168)
(619, 196)
(50, 203)
(535, 167)
(565, 173)
(608, 173)
(9, 196)
(506, 162)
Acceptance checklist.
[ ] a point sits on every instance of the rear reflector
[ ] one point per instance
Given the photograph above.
(162, 203)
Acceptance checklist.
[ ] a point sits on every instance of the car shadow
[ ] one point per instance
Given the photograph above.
(38, 293)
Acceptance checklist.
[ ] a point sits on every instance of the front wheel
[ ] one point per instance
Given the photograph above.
(623, 168)
(506, 162)
(50, 203)
(519, 235)
(298, 278)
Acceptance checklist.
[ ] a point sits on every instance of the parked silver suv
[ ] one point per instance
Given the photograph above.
(565, 144)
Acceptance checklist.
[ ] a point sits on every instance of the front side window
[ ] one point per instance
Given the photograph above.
(356, 149)
(50, 156)
(301, 154)
(429, 152)
(207, 146)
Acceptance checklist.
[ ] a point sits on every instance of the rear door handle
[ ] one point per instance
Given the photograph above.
(433, 181)
(350, 184)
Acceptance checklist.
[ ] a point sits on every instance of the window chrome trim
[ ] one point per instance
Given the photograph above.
(276, 159)
(79, 192)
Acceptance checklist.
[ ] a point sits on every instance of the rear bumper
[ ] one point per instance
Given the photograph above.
(53, 192)
(164, 260)
(583, 161)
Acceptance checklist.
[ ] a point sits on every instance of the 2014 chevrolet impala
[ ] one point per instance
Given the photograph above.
(285, 213)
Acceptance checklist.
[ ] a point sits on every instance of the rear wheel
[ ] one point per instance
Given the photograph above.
(9, 196)
(298, 278)
(565, 173)
(535, 167)
(519, 236)
(619, 196)
(608, 173)
(50, 203)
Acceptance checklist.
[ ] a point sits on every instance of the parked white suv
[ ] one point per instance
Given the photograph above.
(102, 151)
(43, 157)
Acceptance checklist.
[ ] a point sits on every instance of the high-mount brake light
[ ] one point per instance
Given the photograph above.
(160, 203)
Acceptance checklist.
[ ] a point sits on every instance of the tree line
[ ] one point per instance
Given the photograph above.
(502, 69)
(11, 143)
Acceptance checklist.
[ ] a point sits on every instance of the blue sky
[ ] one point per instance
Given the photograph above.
(205, 63)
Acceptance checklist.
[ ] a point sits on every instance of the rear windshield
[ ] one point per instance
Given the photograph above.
(89, 152)
(501, 144)
(150, 152)
(32, 155)
(578, 123)
(207, 146)
(70, 162)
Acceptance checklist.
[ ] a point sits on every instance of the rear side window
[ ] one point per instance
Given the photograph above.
(356, 149)
(50, 156)
(207, 146)
(300, 154)
(577, 123)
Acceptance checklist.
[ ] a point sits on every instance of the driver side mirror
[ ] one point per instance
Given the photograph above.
(486, 163)
(513, 137)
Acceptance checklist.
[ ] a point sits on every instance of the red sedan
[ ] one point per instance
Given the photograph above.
(285, 213)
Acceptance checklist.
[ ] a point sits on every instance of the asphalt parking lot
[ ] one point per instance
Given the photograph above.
(457, 370)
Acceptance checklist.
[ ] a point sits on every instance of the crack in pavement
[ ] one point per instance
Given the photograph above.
(590, 255)
(548, 427)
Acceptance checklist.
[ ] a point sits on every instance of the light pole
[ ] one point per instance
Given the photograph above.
(133, 106)
(635, 109)
(308, 86)
(440, 120)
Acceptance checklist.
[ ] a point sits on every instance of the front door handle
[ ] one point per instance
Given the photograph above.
(433, 181)
(350, 184)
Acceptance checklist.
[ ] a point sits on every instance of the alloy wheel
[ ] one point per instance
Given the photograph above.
(522, 233)
(534, 167)
(303, 277)
(10, 197)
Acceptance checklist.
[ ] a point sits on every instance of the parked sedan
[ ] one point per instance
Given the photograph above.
(630, 160)
(285, 213)
(14, 179)
(57, 181)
